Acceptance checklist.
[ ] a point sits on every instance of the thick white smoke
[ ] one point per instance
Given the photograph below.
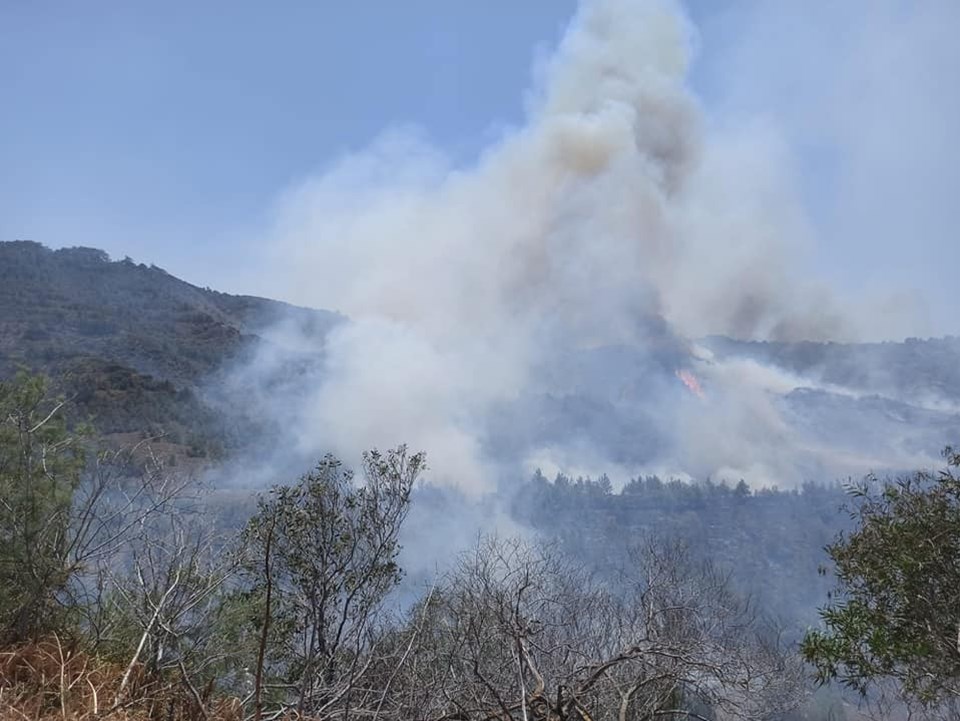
(612, 211)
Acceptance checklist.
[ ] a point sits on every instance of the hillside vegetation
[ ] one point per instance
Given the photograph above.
(131, 344)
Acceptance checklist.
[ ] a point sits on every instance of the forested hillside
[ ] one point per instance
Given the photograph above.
(131, 344)
(770, 540)
(143, 352)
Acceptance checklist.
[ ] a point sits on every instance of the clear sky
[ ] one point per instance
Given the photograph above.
(167, 131)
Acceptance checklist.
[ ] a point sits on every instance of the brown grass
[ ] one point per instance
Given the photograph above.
(51, 680)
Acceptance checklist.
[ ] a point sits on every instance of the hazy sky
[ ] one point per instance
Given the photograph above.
(167, 131)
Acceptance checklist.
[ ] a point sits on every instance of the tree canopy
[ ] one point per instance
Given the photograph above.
(896, 612)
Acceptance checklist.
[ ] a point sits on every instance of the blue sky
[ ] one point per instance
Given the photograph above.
(166, 131)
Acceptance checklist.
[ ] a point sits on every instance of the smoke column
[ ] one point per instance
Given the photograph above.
(612, 217)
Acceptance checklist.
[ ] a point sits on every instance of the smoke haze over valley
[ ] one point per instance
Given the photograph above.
(540, 307)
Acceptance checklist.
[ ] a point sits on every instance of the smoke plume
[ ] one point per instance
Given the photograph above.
(612, 218)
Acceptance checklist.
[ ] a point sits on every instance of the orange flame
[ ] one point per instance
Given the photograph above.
(691, 382)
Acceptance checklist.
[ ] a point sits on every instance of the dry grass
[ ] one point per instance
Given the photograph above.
(51, 680)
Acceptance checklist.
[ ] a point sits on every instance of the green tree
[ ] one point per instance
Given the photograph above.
(322, 560)
(41, 463)
(896, 613)
(68, 513)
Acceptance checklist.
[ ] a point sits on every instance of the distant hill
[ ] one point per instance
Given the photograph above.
(143, 352)
(918, 369)
(132, 343)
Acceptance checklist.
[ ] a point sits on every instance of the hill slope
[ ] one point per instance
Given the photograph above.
(133, 343)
